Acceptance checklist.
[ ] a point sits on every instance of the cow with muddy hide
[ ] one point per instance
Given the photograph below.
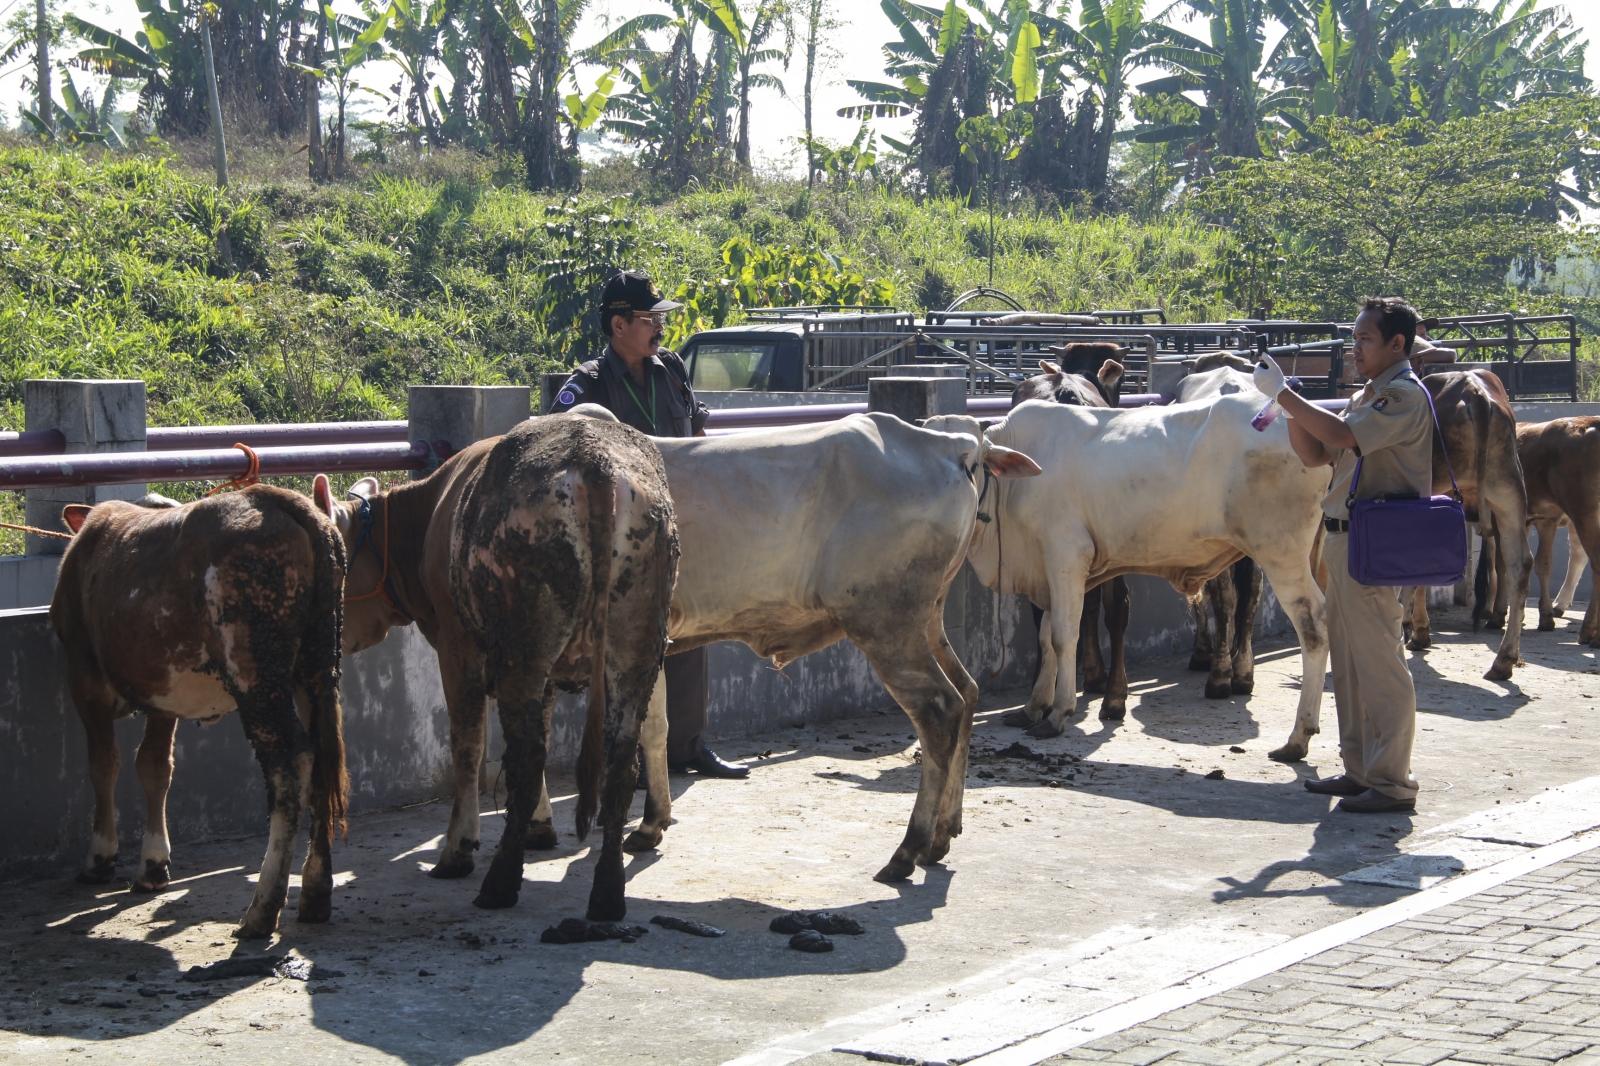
(539, 561)
(1181, 492)
(1478, 427)
(1087, 375)
(187, 613)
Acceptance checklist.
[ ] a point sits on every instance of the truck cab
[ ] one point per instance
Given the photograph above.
(756, 357)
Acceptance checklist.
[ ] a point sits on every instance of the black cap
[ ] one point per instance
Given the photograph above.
(632, 290)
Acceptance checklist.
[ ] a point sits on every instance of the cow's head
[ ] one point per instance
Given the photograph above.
(369, 610)
(1086, 374)
(998, 460)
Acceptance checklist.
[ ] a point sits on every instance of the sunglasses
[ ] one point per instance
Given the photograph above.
(657, 318)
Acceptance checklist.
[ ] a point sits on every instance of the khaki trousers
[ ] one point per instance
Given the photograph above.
(1372, 686)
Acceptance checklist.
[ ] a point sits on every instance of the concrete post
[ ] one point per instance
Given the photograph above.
(96, 417)
(1167, 376)
(912, 399)
(463, 414)
(549, 385)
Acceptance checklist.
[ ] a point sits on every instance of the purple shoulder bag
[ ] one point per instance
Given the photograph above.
(1411, 540)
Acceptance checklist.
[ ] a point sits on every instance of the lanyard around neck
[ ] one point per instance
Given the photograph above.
(637, 402)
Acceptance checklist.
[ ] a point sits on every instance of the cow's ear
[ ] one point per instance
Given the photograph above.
(1048, 367)
(1006, 462)
(1110, 373)
(363, 489)
(322, 494)
(74, 514)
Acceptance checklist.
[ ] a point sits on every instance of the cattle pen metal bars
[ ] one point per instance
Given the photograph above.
(1523, 343)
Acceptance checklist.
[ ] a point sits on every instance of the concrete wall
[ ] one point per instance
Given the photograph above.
(396, 727)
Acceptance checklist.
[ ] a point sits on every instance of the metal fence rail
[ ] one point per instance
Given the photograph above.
(218, 464)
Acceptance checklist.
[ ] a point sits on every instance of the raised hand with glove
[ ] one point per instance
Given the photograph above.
(1270, 381)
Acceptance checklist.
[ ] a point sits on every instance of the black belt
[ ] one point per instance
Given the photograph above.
(1335, 525)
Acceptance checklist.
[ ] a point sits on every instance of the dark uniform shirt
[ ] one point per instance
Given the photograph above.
(664, 406)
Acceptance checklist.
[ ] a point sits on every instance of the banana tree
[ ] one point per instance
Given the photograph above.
(413, 39)
(1229, 70)
(81, 120)
(1111, 41)
(352, 41)
(988, 142)
(957, 63)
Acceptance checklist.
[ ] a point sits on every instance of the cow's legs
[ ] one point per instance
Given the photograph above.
(1044, 682)
(461, 670)
(1225, 606)
(1302, 600)
(283, 748)
(1543, 561)
(1115, 706)
(525, 700)
(947, 822)
(1091, 656)
(631, 688)
(1249, 582)
(1421, 620)
(1577, 559)
(97, 707)
(1514, 564)
(912, 674)
(153, 762)
(658, 793)
(1586, 532)
(1200, 612)
(1065, 587)
(316, 873)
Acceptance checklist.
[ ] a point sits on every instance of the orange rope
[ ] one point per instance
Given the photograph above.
(36, 531)
(251, 476)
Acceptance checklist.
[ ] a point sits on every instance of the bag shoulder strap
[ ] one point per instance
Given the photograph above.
(1455, 489)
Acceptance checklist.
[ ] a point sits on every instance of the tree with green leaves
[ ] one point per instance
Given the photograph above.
(821, 23)
(989, 142)
(352, 41)
(1435, 213)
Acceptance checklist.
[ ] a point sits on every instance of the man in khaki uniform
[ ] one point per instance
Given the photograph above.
(1389, 424)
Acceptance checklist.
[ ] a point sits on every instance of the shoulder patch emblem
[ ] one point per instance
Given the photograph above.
(1380, 405)
(566, 395)
(574, 386)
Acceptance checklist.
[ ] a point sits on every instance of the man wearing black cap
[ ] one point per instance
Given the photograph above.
(646, 386)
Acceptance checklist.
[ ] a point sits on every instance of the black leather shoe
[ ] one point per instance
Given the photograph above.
(1342, 785)
(708, 764)
(1374, 802)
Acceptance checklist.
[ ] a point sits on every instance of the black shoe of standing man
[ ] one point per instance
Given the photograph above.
(708, 763)
(1341, 785)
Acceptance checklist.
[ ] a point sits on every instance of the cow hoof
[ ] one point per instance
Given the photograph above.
(1288, 753)
(897, 870)
(1094, 684)
(253, 931)
(491, 899)
(1019, 719)
(1242, 687)
(1112, 714)
(1495, 624)
(450, 869)
(935, 853)
(153, 879)
(642, 839)
(1199, 664)
(1218, 690)
(1547, 623)
(315, 907)
(607, 905)
(1498, 672)
(100, 873)
(540, 838)
(1421, 643)
(1559, 612)
(1044, 729)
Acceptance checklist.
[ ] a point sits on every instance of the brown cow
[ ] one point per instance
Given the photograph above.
(1561, 465)
(539, 560)
(1070, 382)
(1480, 430)
(190, 612)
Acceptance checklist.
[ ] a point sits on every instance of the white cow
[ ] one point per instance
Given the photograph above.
(795, 538)
(1179, 492)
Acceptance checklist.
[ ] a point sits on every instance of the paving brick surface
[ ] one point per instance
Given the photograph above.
(1509, 976)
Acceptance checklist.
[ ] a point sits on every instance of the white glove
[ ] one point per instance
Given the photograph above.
(1269, 378)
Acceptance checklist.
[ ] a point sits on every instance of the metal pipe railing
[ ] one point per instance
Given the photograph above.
(291, 434)
(32, 442)
(221, 464)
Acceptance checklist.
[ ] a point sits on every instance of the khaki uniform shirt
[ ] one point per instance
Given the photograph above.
(1393, 427)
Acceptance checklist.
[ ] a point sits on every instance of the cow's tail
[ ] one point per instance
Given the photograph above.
(602, 491)
(319, 668)
(1482, 415)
